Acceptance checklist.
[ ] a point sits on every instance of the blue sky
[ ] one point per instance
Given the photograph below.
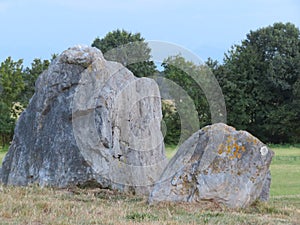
(38, 28)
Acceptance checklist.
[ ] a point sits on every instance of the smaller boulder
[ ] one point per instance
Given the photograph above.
(219, 164)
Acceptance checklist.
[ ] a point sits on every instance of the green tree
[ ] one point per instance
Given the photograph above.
(171, 122)
(11, 80)
(7, 123)
(30, 76)
(192, 108)
(183, 72)
(11, 85)
(129, 49)
(259, 78)
(295, 138)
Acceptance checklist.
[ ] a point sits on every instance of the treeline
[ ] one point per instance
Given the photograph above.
(16, 88)
(260, 80)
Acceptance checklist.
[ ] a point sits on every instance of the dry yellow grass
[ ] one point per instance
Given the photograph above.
(35, 205)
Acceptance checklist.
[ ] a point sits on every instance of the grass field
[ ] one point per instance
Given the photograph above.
(285, 171)
(34, 205)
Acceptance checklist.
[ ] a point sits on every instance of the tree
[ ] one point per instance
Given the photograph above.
(171, 126)
(183, 73)
(30, 76)
(7, 123)
(259, 79)
(11, 80)
(295, 138)
(188, 94)
(11, 85)
(129, 49)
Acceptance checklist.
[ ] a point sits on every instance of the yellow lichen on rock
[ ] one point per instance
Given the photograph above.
(232, 148)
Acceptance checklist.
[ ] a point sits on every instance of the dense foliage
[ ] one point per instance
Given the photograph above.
(185, 84)
(16, 89)
(11, 85)
(260, 80)
(171, 126)
(129, 49)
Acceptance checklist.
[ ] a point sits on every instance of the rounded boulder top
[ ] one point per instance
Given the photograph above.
(81, 55)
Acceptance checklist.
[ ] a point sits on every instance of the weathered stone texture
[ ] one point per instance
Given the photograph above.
(219, 164)
(89, 120)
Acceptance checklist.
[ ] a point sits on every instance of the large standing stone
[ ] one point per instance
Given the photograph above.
(219, 164)
(89, 120)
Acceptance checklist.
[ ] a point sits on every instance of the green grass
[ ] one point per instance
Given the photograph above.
(286, 150)
(285, 170)
(171, 150)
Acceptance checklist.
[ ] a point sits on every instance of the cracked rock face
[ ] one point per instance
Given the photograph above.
(218, 164)
(89, 120)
